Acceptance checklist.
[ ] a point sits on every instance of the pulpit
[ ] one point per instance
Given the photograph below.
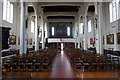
(4, 35)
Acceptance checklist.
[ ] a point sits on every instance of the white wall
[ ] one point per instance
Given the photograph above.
(112, 28)
(13, 26)
(29, 33)
(91, 34)
(0, 13)
(108, 28)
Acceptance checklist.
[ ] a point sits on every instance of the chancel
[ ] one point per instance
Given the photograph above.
(60, 39)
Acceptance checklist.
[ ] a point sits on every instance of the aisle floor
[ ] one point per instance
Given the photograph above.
(61, 67)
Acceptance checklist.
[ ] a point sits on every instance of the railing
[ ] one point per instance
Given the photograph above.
(51, 40)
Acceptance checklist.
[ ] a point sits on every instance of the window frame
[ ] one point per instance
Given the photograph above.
(113, 10)
(7, 8)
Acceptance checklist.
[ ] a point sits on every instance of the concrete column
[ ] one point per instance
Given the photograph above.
(105, 41)
(100, 38)
(25, 40)
(43, 36)
(75, 30)
(36, 33)
(21, 27)
(93, 30)
(96, 9)
(78, 32)
(115, 40)
(46, 29)
(86, 33)
(25, 29)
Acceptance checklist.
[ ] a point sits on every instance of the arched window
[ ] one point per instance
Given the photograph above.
(81, 28)
(113, 8)
(7, 11)
(89, 26)
(32, 26)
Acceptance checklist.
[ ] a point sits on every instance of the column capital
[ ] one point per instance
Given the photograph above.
(85, 16)
(26, 9)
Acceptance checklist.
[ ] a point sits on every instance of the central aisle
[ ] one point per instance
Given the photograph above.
(61, 67)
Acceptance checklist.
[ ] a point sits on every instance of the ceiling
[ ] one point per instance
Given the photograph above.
(91, 8)
(60, 17)
(60, 8)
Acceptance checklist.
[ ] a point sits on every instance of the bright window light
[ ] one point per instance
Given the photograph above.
(32, 26)
(11, 13)
(110, 9)
(68, 31)
(81, 28)
(52, 31)
(7, 11)
(113, 10)
(89, 26)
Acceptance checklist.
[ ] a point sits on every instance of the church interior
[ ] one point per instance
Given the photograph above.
(60, 40)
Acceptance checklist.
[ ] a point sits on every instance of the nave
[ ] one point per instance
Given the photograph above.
(62, 68)
(64, 39)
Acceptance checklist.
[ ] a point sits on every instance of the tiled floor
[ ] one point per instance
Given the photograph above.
(62, 69)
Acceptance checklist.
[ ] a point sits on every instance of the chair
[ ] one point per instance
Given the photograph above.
(86, 64)
(77, 64)
(95, 63)
(103, 63)
(21, 64)
(37, 66)
(115, 62)
(45, 67)
(109, 63)
(14, 64)
(7, 63)
(29, 64)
